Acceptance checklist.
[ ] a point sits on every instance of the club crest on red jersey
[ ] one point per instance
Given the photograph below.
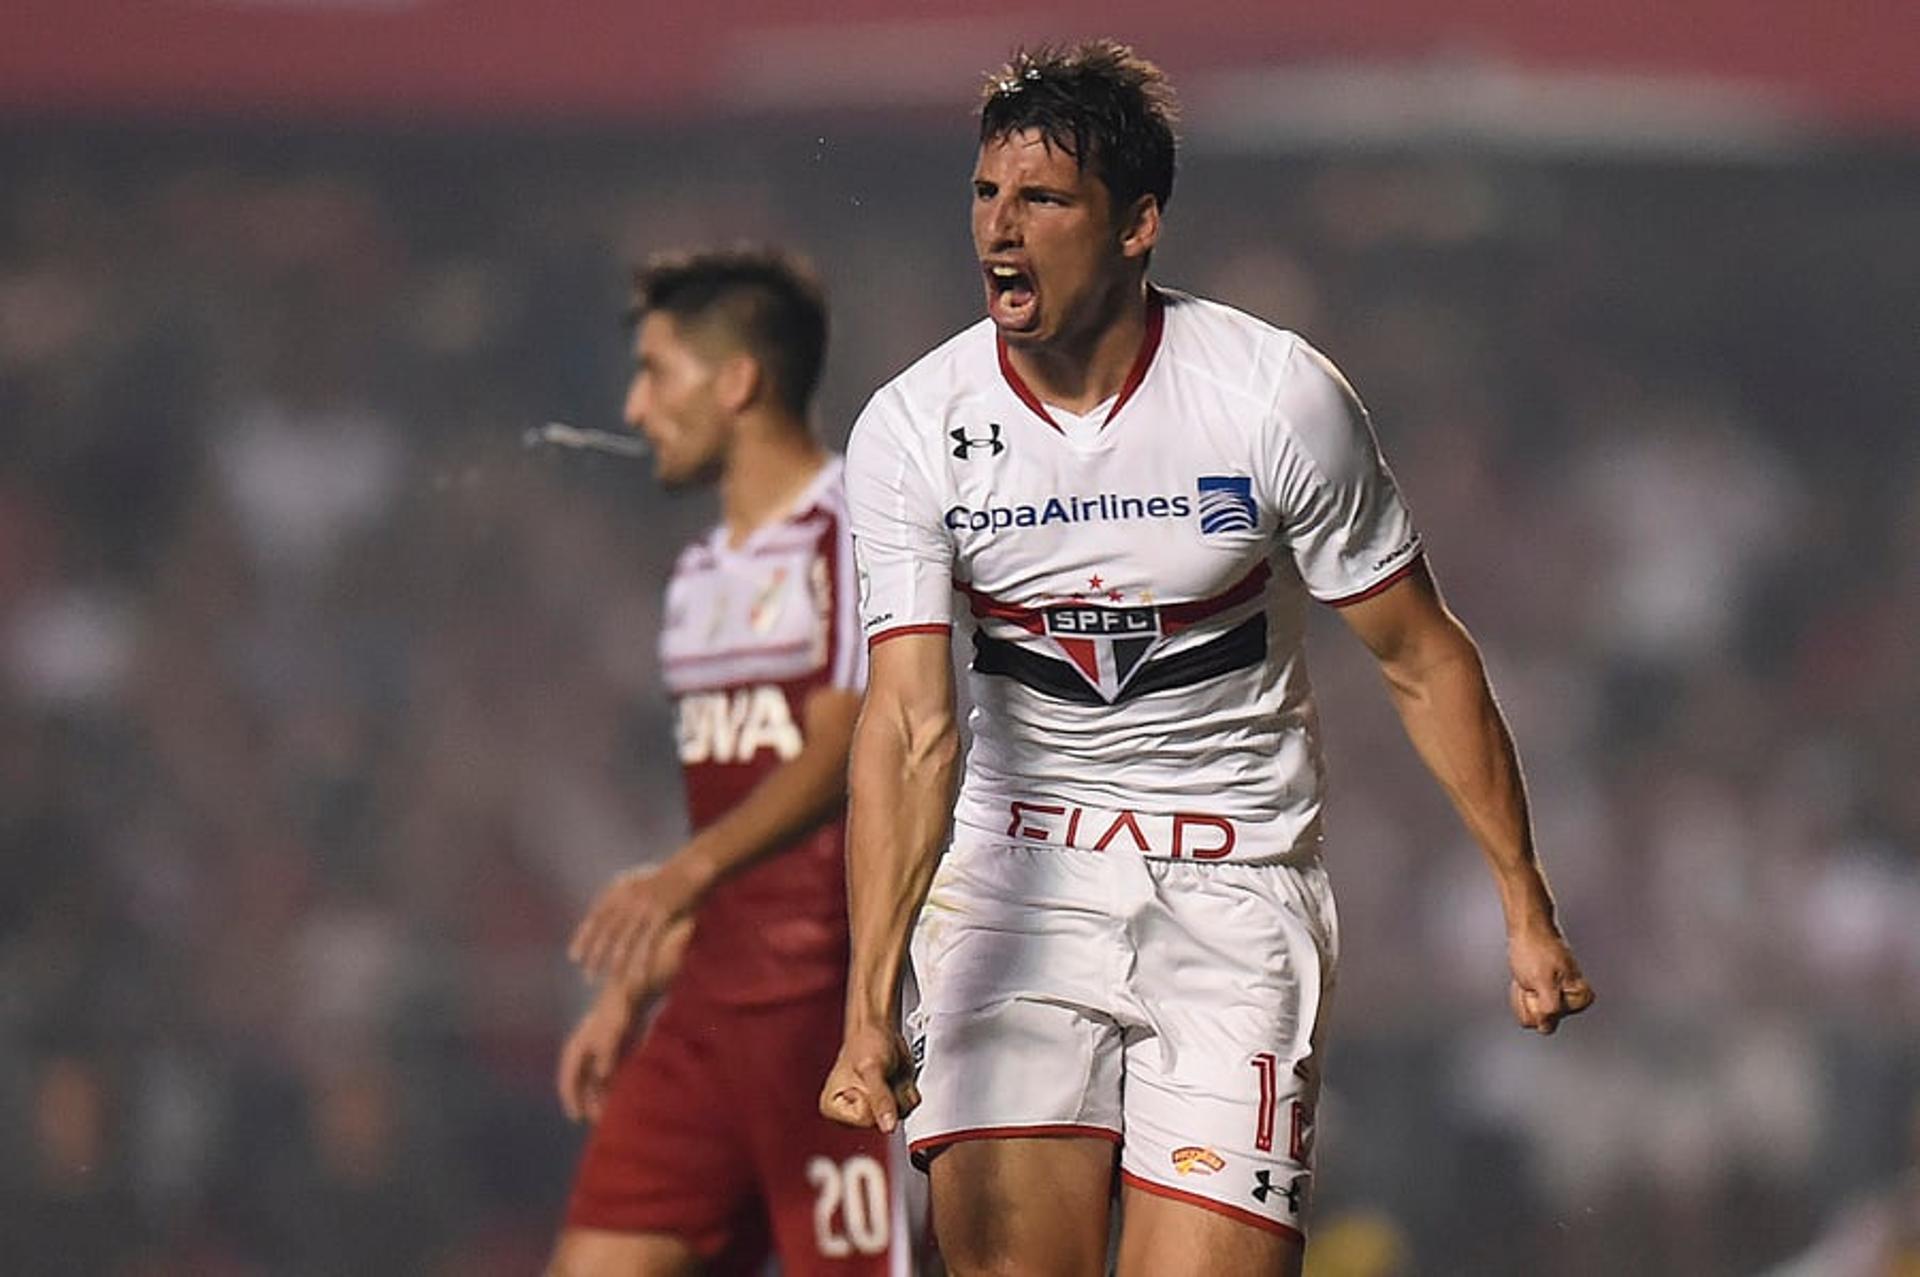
(767, 602)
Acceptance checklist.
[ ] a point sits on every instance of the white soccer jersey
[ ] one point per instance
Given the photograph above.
(1138, 578)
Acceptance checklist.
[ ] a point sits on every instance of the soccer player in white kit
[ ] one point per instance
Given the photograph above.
(1129, 941)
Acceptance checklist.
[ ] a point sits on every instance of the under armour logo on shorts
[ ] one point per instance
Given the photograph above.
(1263, 1188)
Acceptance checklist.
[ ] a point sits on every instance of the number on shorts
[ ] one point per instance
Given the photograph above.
(856, 1191)
(1300, 1137)
(1267, 1065)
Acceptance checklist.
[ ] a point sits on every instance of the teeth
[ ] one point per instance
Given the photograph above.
(1005, 272)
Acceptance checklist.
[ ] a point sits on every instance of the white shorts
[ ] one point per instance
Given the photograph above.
(1172, 1007)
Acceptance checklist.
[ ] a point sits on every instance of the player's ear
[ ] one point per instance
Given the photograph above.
(1140, 227)
(739, 381)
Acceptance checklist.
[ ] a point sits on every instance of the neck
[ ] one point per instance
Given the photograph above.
(769, 466)
(1080, 370)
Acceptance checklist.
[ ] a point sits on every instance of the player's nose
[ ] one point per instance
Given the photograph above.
(1003, 224)
(634, 411)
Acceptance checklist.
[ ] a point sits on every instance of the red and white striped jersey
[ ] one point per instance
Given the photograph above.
(751, 631)
(1137, 578)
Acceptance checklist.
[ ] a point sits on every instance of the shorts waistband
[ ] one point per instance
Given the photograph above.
(1182, 835)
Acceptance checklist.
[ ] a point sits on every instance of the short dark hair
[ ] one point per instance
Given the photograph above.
(1101, 103)
(768, 302)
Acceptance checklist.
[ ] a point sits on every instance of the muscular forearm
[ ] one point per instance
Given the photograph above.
(1448, 709)
(902, 787)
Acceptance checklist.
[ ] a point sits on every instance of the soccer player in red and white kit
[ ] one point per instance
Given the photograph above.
(1129, 941)
(708, 1149)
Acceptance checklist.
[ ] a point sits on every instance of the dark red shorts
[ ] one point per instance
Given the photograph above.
(712, 1133)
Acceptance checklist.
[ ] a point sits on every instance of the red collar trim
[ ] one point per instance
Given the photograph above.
(1149, 345)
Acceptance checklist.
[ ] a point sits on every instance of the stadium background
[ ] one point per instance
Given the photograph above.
(324, 707)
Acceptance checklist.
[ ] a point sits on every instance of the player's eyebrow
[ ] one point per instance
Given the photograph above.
(1031, 189)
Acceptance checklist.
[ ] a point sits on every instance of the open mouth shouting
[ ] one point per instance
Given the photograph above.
(1012, 301)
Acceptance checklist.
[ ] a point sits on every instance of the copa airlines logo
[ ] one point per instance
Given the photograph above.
(1226, 504)
(1108, 507)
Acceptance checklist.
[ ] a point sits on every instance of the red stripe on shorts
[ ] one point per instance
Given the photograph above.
(1232, 1212)
(1046, 1130)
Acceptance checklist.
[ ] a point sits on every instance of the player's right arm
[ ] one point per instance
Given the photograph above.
(905, 751)
(594, 1048)
(905, 747)
(1354, 544)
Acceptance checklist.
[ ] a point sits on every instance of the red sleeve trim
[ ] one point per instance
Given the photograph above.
(899, 631)
(1235, 1213)
(1384, 583)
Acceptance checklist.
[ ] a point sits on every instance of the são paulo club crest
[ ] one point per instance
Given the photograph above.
(1107, 645)
(1115, 641)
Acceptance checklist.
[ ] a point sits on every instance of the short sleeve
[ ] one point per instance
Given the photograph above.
(846, 649)
(902, 551)
(1341, 515)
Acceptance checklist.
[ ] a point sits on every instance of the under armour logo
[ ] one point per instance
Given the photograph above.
(964, 444)
(1263, 1188)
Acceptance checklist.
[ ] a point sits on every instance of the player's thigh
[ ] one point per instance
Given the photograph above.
(1037, 1207)
(593, 1252)
(1220, 1097)
(1164, 1237)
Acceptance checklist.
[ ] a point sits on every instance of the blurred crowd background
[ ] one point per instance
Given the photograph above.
(325, 705)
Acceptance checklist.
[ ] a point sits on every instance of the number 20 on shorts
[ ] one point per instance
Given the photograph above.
(851, 1214)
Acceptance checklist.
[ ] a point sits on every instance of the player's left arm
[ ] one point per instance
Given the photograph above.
(1439, 686)
(632, 915)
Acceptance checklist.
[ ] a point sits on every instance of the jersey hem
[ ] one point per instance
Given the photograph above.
(1239, 1214)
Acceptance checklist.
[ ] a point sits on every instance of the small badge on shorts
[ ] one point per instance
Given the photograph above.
(1195, 1160)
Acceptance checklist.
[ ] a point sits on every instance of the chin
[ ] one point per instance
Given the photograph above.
(1025, 336)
